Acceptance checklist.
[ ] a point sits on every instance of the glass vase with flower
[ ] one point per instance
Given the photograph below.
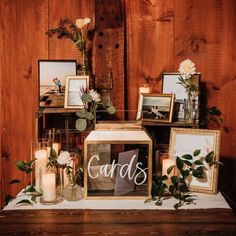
(78, 33)
(74, 171)
(87, 115)
(187, 69)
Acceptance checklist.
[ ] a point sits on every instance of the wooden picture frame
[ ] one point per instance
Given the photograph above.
(52, 78)
(156, 107)
(73, 90)
(186, 141)
(170, 85)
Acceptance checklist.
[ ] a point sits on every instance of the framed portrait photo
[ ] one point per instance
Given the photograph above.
(170, 85)
(186, 141)
(52, 78)
(74, 87)
(156, 107)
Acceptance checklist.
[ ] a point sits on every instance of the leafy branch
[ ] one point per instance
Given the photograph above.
(27, 168)
(188, 165)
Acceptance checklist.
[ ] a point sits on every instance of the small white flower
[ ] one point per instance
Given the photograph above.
(87, 20)
(95, 95)
(80, 23)
(187, 68)
(64, 158)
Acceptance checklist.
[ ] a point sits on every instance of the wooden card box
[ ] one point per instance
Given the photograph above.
(117, 163)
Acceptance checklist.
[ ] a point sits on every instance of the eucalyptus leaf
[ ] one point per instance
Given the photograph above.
(89, 116)
(14, 181)
(53, 153)
(150, 200)
(154, 189)
(24, 202)
(196, 152)
(86, 97)
(33, 199)
(187, 157)
(111, 110)
(179, 163)
(170, 169)
(29, 170)
(164, 177)
(209, 157)
(20, 165)
(174, 179)
(158, 203)
(82, 113)
(8, 198)
(171, 188)
(81, 124)
(188, 163)
(177, 205)
(198, 162)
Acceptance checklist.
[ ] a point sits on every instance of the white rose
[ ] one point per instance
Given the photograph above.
(95, 95)
(187, 68)
(80, 23)
(87, 20)
(64, 158)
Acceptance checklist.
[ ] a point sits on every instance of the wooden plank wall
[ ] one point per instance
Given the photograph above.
(142, 38)
(22, 24)
(161, 34)
(164, 33)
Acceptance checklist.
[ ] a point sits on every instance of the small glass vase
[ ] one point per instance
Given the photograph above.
(188, 108)
(72, 192)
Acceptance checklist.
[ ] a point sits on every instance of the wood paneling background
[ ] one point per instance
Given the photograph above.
(134, 41)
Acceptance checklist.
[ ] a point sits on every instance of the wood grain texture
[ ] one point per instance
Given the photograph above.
(150, 47)
(118, 222)
(22, 24)
(109, 51)
(72, 9)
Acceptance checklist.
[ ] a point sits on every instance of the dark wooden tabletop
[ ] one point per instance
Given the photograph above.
(118, 222)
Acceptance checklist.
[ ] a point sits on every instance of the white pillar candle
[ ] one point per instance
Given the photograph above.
(40, 165)
(165, 165)
(144, 90)
(49, 186)
(56, 147)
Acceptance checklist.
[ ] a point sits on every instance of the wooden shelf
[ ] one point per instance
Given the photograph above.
(172, 124)
(57, 110)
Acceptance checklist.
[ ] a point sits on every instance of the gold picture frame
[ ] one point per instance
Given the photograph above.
(73, 91)
(118, 139)
(186, 141)
(156, 107)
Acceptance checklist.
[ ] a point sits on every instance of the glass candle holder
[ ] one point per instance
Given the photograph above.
(40, 153)
(51, 186)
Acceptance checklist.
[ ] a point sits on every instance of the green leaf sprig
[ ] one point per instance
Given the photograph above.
(188, 165)
(87, 114)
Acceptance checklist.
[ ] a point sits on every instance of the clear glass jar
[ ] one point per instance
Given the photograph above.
(72, 192)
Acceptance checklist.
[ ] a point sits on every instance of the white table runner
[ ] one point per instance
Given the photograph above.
(203, 201)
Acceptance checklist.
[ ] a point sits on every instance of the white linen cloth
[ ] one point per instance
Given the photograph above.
(203, 201)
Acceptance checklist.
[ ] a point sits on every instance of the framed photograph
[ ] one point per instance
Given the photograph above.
(170, 85)
(52, 78)
(156, 107)
(186, 141)
(74, 87)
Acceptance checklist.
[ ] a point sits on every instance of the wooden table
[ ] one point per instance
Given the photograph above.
(118, 222)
